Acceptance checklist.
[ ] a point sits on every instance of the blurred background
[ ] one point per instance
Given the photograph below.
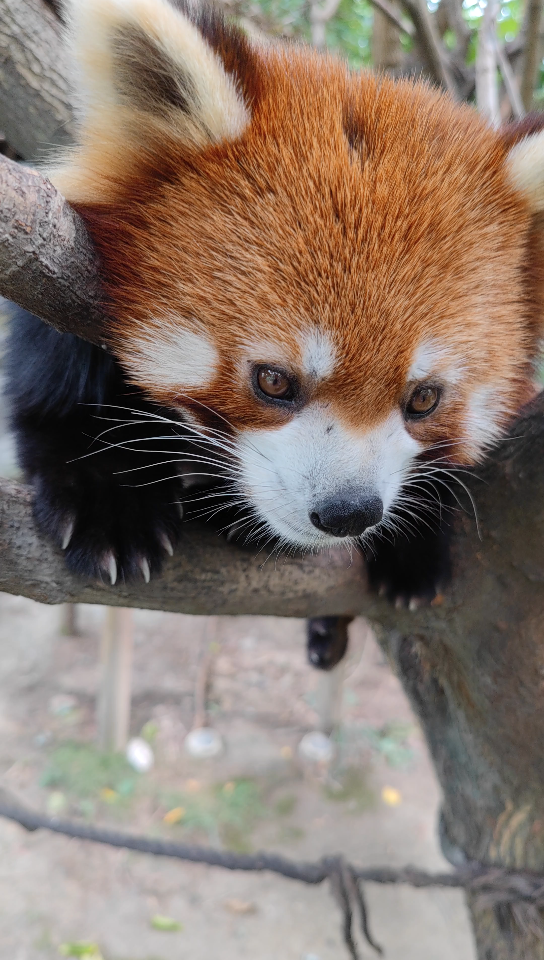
(121, 742)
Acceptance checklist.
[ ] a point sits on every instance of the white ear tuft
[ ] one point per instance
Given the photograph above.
(526, 165)
(144, 64)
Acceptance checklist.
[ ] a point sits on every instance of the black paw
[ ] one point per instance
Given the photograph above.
(108, 527)
(326, 641)
(411, 572)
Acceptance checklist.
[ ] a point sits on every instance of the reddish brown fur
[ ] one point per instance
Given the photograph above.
(379, 211)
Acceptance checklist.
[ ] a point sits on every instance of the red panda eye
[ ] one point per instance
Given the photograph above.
(274, 383)
(422, 402)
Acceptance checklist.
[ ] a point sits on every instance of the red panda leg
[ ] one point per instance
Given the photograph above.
(101, 464)
(413, 568)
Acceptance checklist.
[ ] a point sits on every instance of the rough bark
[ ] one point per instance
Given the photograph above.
(47, 262)
(206, 575)
(474, 671)
(35, 107)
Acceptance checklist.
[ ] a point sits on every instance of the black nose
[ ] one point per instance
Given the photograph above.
(347, 516)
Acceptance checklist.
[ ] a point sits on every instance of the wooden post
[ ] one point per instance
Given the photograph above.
(68, 626)
(330, 690)
(203, 671)
(113, 707)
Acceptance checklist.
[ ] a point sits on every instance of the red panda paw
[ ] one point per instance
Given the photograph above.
(411, 572)
(108, 530)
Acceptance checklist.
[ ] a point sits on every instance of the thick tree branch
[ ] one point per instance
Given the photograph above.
(47, 262)
(35, 104)
(206, 574)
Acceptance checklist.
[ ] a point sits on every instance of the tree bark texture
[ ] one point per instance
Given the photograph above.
(206, 575)
(47, 262)
(35, 106)
(474, 672)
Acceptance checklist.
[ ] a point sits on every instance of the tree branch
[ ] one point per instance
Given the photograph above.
(47, 262)
(510, 82)
(531, 32)
(431, 45)
(320, 14)
(389, 11)
(487, 88)
(460, 27)
(35, 103)
(206, 573)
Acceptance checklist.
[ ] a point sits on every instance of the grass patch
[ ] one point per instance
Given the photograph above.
(285, 806)
(391, 742)
(81, 771)
(224, 812)
(351, 786)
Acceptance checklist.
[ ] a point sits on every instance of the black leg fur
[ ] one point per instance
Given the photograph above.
(326, 641)
(409, 570)
(64, 393)
(413, 567)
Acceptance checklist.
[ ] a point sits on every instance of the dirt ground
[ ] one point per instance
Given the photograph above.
(377, 802)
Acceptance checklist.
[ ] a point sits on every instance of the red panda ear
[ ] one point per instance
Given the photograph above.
(150, 71)
(525, 141)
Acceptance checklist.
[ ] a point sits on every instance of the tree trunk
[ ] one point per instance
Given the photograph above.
(386, 45)
(476, 681)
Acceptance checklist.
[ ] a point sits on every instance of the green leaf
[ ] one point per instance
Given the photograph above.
(81, 948)
(167, 924)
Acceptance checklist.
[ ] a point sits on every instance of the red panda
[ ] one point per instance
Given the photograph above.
(333, 279)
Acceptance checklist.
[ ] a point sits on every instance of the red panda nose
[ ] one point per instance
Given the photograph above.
(347, 517)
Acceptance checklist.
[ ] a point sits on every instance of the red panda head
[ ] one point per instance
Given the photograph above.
(336, 273)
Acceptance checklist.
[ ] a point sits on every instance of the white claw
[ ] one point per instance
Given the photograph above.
(67, 535)
(144, 567)
(167, 544)
(181, 510)
(414, 604)
(112, 569)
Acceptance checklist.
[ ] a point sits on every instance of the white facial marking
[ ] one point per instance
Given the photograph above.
(287, 472)
(266, 351)
(318, 354)
(485, 411)
(432, 357)
(173, 357)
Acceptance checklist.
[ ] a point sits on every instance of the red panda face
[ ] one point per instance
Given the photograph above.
(330, 277)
